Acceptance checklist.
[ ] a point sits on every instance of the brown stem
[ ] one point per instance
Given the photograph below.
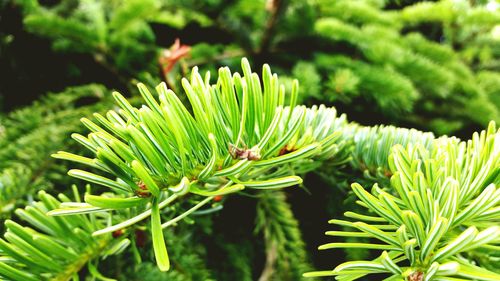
(274, 7)
(271, 257)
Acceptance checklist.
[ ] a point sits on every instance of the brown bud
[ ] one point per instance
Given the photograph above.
(143, 191)
(117, 233)
(285, 150)
(416, 276)
(244, 153)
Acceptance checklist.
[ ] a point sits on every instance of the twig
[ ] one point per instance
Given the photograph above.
(274, 7)
(271, 256)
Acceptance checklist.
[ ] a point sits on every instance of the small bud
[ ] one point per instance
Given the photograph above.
(416, 276)
(143, 191)
(244, 153)
(117, 233)
(285, 150)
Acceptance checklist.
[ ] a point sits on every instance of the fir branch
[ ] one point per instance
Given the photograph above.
(232, 140)
(52, 248)
(35, 132)
(286, 257)
(372, 146)
(432, 215)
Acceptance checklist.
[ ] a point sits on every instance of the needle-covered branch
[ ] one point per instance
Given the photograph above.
(242, 132)
(435, 218)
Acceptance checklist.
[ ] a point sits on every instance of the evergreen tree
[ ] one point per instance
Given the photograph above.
(223, 175)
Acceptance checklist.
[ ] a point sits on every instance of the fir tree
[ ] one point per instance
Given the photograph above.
(215, 167)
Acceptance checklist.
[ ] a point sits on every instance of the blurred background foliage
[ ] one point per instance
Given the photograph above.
(434, 66)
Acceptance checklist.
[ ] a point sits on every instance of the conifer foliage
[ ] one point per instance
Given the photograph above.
(161, 153)
(30, 134)
(434, 219)
(209, 171)
(434, 216)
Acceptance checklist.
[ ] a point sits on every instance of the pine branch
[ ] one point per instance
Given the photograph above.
(286, 254)
(51, 248)
(393, 92)
(32, 134)
(240, 136)
(372, 146)
(379, 46)
(434, 215)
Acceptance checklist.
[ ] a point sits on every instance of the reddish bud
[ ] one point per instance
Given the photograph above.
(285, 150)
(117, 233)
(416, 276)
(143, 191)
